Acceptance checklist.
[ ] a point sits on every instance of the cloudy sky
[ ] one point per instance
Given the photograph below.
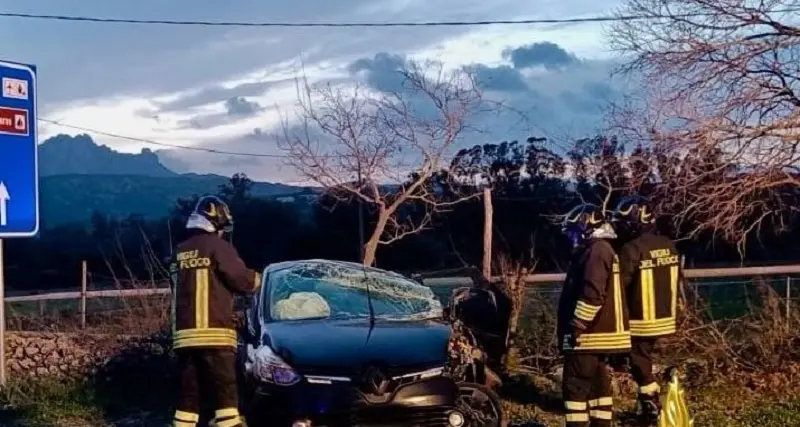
(221, 87)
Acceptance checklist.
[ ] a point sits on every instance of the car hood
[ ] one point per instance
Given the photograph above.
(353, 343)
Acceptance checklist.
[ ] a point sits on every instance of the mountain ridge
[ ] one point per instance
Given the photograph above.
(78, 177)
(80, 155)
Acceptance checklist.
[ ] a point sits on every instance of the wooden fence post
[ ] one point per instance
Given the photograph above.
(487, 233)
(83, 294)
(788, 301)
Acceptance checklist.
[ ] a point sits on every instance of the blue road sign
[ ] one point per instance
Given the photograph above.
(19, 159)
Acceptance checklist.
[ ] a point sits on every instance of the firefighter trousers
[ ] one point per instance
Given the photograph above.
(587, 390)
(642, 366)
(207, 381)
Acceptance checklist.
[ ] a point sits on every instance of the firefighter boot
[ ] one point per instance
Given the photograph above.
(647, 409)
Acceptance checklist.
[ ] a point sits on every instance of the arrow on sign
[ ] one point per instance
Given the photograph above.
(4, 198)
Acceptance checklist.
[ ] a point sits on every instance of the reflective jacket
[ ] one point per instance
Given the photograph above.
(593, 297)
(651, 273)
(206, 271)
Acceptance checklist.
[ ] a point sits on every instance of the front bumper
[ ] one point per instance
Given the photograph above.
(425, 403)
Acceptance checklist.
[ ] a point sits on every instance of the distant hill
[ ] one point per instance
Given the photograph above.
(78, 177)
(71, 198)
(68, 155)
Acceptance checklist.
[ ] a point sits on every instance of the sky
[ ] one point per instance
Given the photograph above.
(223, 88)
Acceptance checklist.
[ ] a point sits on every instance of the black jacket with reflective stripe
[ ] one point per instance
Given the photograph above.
(651, 273)
(594, 298)
(206, 271)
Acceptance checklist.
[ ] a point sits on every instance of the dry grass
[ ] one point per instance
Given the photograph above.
(761, 341)
(130, 315)
(754, 357)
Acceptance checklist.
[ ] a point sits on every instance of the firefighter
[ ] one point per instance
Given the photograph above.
(592, 319)
(650, 272)
(206, 272)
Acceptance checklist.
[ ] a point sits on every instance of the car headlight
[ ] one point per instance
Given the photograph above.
(269, 367)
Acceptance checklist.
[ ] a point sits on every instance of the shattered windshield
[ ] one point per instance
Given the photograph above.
(338, 290)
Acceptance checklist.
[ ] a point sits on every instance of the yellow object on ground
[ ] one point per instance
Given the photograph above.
(674, 412)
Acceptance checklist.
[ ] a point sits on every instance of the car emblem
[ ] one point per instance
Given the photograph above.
(374, 381)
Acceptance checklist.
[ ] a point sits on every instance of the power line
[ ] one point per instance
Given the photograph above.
(176, 146)
(591, 19)
(162, 144)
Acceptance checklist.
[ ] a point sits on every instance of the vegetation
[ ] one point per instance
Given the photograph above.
(753, 357)
(367, 140)
(526, 209)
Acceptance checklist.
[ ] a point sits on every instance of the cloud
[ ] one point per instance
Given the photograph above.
(502, 78)
(89, 63)
(235, 109)
(380, 71)
(563, 98)
(547, 54)
(239, 106)
(238, 162)
(212, 86)
(561, 103)
(260, 157)
(215, 94)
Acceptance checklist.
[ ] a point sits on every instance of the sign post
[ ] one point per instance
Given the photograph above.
(19, 169)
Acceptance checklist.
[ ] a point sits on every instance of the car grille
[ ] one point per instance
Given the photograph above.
(383, 417)
(375, 390)
(422, 417)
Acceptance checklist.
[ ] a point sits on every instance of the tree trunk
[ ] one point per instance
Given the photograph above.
(371, 246)
(487, 233)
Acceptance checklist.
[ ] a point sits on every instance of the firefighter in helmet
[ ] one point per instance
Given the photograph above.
(592, 318)
(206, 272)
(650, 273)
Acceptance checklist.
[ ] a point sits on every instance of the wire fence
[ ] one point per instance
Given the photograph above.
(723, 298)
(134, 305)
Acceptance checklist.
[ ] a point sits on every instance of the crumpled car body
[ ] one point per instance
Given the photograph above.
(332, 343)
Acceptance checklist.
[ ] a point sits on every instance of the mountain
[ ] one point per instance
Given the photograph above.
(79, 177)
(68, 155)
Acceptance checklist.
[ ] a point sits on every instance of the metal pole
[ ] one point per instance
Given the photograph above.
(2, 321)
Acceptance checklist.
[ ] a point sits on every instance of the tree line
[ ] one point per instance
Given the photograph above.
(531, 185)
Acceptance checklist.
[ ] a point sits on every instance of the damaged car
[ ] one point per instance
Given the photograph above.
(332, 343)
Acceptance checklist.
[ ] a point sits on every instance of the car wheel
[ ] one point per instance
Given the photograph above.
(481, 406)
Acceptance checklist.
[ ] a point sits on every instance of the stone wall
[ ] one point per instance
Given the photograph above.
(73, 354)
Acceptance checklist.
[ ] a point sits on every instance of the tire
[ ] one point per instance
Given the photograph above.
(471, 395)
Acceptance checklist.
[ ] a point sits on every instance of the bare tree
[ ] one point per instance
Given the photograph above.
(599, 167)
(383, 148)
(720, 80)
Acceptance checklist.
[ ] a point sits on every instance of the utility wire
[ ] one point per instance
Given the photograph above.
(591, 19)
(162, 144)
(235, 153)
